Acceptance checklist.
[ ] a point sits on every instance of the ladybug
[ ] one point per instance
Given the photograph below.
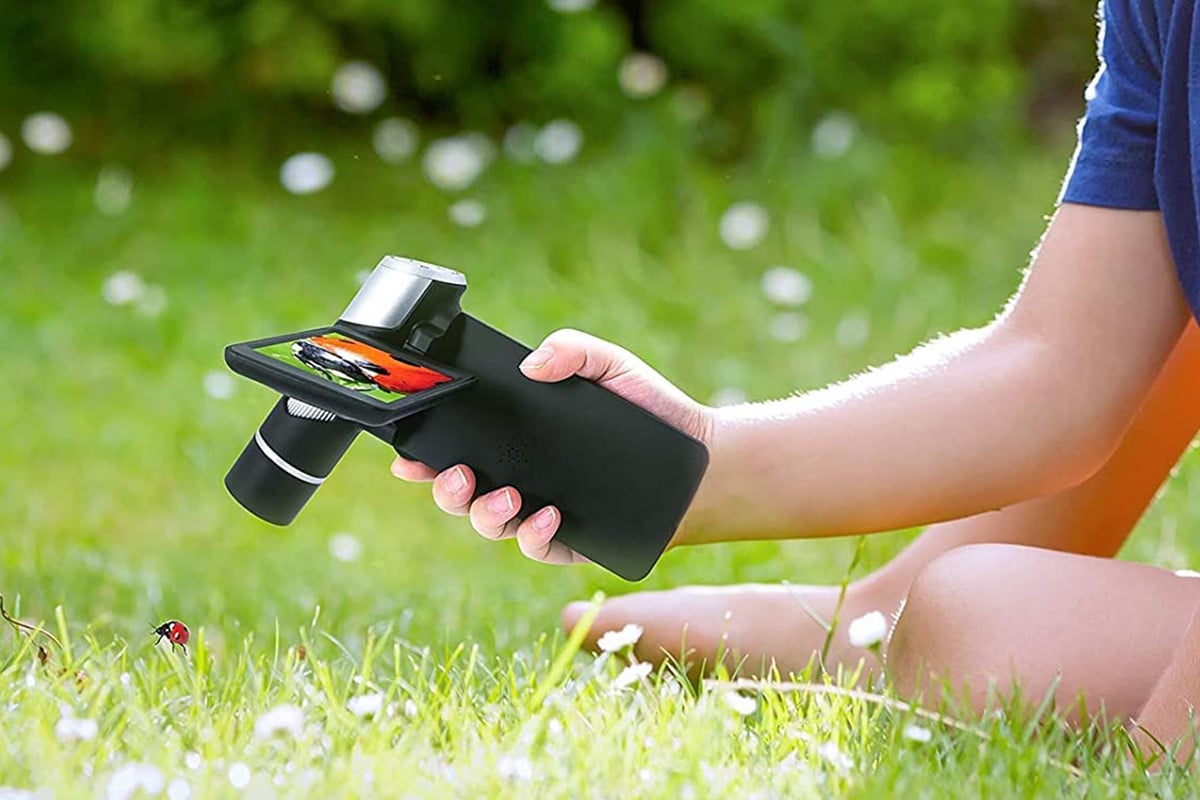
(174, 632)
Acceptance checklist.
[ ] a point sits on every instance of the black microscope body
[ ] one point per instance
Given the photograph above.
(621, 477)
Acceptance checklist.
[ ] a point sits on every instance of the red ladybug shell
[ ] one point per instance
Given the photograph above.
(178, 633)
(174, 631)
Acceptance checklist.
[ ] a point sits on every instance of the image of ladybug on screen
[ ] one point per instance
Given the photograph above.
(361, 367)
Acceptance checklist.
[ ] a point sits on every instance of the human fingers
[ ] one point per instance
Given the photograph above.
(409, 470)
(570, 352)
(494, 515)
(535, 537)
(453, 489)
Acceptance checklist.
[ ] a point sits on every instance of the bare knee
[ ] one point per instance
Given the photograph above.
(942, 634)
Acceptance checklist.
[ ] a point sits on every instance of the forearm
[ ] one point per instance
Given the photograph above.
(1095, 517)
(955, 428)
(1031, 404)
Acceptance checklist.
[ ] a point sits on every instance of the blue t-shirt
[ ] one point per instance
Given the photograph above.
(1139, 143)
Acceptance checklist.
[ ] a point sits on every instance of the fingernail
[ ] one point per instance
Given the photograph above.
(457, 480)
(537, 359)
(501, 503)
(396, 468)
(544, 519)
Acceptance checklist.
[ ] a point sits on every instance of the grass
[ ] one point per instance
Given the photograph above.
(113, 517)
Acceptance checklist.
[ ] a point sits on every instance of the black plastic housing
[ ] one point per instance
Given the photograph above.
(621, 477)
(309, 449)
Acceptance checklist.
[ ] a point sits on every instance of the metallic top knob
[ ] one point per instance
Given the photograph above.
(395, 288)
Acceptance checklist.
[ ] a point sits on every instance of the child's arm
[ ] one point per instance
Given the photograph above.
(1095, 517)
(1031, 403)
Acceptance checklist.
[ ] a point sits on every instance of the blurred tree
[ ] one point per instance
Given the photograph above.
(947, 71)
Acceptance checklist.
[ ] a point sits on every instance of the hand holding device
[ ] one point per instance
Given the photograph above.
(563, 354)
(406, 364)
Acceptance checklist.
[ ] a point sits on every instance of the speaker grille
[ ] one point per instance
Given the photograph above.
(513, 454)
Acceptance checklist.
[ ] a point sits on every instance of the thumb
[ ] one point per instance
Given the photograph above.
(569, 352)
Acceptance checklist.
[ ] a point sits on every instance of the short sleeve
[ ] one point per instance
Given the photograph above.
(1113, 165)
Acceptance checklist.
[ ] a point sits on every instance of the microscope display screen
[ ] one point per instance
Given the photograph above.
(355, 365)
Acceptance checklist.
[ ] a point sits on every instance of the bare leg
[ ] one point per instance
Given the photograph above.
(994, 616)
(762, 624)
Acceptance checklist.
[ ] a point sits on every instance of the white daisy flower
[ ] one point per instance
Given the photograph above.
(518, 769)
(917, 733)
(743, 225)
(365, 705)
(558, 142)
(740, 703)
(46, 132)
(219, 385)
(614, 641)
(833, 754)
(833, 135)
(395, 139)
(239, 775)
(642, 75)
(358, 87)
(468, 213)
(345, 547)
(634, 673)
(130, 778)
(283, 719)
(122, 287)
(570, 6)
(453, 164)
(71, 729)
(786, 286)
(306, 173)
(868, 630)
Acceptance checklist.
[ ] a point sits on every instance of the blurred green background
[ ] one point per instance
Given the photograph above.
(259, 71)
(757, 197)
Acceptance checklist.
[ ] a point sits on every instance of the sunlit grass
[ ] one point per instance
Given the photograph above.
(112, 506)
(402, 719)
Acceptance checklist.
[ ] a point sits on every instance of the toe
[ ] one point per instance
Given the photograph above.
(572, 612)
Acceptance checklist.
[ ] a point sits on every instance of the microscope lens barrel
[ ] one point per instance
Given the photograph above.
(291, 454)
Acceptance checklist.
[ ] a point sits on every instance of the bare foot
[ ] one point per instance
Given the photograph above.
(750, 626)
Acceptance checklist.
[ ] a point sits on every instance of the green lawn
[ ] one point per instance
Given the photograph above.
(112, 454)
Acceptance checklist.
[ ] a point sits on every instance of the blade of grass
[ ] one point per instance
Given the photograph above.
(888, 702)
(562, 661)
(837, 609)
